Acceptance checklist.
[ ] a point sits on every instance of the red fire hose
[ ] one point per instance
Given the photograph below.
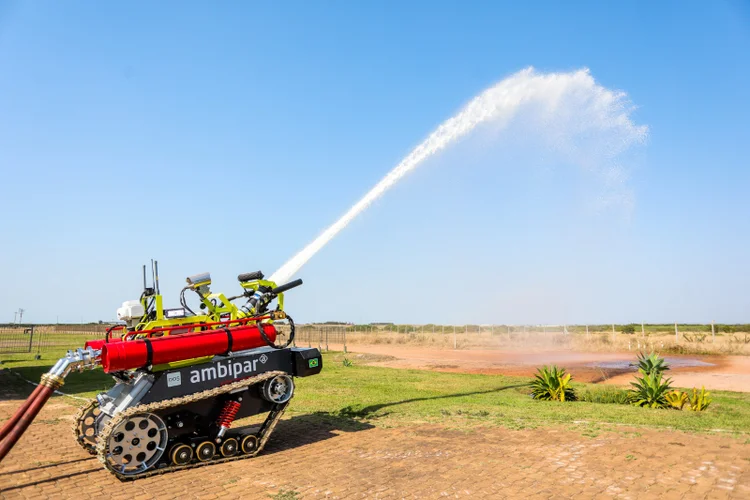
(32, 406)
(17, 415)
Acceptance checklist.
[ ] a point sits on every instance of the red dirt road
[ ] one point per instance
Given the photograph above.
(728, 373)
(318, 459)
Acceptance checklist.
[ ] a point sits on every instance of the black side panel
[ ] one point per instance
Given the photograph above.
(307, 362)
(221, 370)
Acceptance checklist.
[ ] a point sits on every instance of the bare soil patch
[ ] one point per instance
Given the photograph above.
(729, 373)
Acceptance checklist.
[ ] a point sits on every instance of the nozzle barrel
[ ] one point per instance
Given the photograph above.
(288, 286)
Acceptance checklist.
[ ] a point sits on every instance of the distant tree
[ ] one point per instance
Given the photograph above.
(629, 329)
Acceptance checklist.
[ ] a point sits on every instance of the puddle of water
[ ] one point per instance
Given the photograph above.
(630, 365)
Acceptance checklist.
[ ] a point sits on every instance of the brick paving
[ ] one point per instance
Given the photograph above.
(320, 458)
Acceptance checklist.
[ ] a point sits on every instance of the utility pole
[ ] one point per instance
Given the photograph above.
(20, 316)
(15, 316)
(713, 332)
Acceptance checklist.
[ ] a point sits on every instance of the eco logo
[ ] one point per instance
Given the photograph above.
(313, 363)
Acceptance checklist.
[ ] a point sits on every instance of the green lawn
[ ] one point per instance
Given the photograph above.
(386, 397)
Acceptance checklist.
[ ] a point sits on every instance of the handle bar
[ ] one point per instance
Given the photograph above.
(288, 286)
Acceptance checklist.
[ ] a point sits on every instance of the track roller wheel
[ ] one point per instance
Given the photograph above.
(205, 451)
(249, 443)
(229, 447)
(181, 454)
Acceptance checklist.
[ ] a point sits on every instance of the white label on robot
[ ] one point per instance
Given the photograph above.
(174, 379)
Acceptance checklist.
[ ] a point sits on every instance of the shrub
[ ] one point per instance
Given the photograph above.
(650, 364)
(699, 401)
(696, 337)
(677, 399)
(552, 384)
(650, 390)
(347, 362)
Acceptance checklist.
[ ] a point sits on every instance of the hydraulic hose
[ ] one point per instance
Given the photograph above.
(270, 342)
(36, 401)
(17, 415)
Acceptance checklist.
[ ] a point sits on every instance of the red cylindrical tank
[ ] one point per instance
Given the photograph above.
(131, 354)
(95, 344)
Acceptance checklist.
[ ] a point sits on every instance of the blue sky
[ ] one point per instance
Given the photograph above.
(224, 137)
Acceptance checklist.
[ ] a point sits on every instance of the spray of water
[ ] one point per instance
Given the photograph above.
(552, 96)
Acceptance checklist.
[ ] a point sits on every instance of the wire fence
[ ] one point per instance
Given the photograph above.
(45, 338)
(40, 338)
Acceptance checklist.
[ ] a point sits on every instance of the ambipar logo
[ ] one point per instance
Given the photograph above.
(220, 370)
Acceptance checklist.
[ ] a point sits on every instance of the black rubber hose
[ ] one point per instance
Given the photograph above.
(183, 302)
(268, 341)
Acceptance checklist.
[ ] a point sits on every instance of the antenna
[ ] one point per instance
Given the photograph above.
(156, 272)
(153, 275)
(144, 276)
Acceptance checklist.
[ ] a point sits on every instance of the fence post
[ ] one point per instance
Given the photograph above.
(713, 333)
(31, 337)
(587, 332)
(327, 338)
(344, 340)
(676, 333)
(454, 338)
(643, 330)
(38, 344)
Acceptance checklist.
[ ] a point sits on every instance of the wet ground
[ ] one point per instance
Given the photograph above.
(729, 373)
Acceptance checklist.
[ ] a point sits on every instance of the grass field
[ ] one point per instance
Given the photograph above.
(394, 397)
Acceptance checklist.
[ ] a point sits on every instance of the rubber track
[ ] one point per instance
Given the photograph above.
(82, 411)
(265, 431)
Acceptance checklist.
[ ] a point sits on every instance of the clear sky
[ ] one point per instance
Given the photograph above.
(223, 137)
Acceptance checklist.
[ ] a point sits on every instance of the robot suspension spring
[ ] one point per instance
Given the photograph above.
(226, 417)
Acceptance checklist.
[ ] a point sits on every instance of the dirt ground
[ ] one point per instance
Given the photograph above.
(318, 459)
(728, 373)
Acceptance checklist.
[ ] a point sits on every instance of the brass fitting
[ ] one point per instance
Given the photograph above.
(278, 315)
(52, 381)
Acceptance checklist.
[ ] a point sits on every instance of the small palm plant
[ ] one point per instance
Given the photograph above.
(650, 390)
(651, 363)
(699, 401)
(677, 399)
(552, 384)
